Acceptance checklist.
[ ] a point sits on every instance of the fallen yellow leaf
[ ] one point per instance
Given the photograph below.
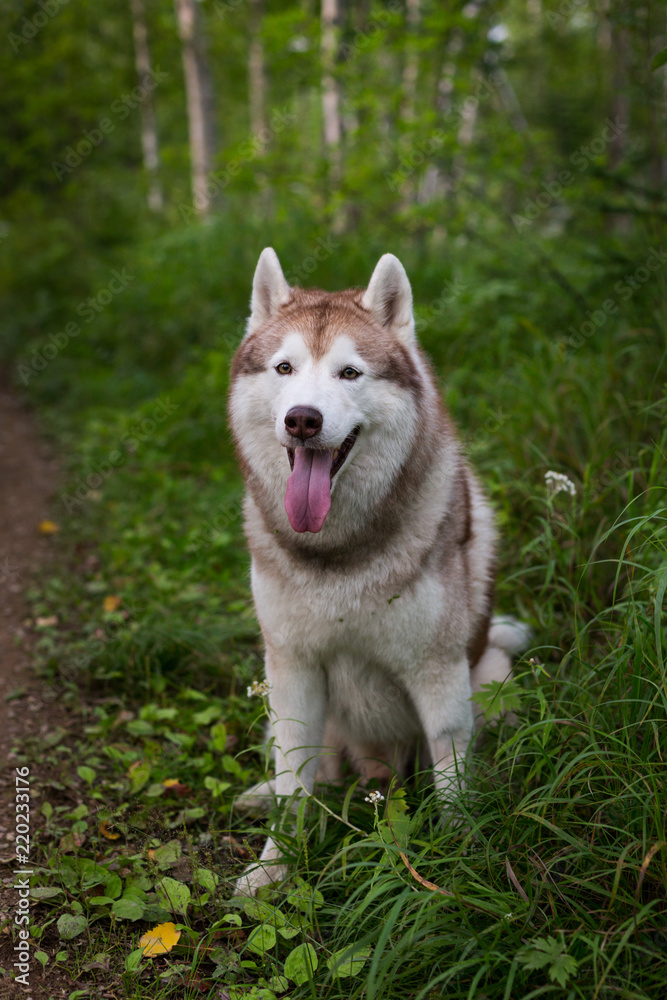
(106, 832)
(46, 622)
(111, 602)
(168, 782)
(159, 940)
(48, 528)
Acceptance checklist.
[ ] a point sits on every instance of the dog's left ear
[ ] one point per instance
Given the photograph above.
(389, 299)
(269, 290)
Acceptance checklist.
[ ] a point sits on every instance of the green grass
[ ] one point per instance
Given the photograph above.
(553, 860)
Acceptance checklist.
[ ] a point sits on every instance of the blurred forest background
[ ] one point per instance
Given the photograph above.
(512, 153)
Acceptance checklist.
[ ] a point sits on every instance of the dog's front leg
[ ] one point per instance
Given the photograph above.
(441, 694)
(297, 700)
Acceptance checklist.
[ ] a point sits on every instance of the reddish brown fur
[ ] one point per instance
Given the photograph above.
(320, 317)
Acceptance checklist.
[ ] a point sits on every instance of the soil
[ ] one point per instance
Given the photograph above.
(29, 480)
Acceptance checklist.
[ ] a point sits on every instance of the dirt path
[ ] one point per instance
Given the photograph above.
(28, 482)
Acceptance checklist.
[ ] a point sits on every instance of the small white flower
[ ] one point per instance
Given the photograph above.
(374, 797)
(259, 688)
(558, 483)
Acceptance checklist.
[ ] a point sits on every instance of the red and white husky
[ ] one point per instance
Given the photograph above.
(372, 543)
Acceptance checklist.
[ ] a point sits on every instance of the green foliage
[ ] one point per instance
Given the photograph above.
(534, 240)
(550, 954)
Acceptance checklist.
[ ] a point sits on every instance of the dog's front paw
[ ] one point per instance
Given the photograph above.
(257, 875)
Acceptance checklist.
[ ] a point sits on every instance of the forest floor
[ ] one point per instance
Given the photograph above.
(29, 478)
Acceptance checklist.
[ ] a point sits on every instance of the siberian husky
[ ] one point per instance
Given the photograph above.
(372, 543)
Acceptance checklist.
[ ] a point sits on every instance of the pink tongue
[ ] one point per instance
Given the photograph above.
(308, 495)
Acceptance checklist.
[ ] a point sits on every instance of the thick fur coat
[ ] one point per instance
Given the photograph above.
(372, 543)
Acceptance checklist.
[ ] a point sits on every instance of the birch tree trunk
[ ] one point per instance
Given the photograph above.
(149, 139)
(199, 93)
(330, 91)
(256, 71)
(411, 68)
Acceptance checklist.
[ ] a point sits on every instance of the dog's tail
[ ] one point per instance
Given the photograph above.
(507, 638)
(508, 634)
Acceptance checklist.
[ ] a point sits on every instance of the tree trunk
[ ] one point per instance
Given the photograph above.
(149, 139)
(411, 67)
(256, 72)
(199, 92)
(330, 90)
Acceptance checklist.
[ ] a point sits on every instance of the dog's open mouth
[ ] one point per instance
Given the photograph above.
(308, 496)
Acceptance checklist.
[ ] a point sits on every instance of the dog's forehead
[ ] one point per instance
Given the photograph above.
(322, 319)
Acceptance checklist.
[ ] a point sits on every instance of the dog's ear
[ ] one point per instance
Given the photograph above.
(389, 299)
(269, 289)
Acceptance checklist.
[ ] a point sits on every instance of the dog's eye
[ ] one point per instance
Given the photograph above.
(284, 368)
(350, 373)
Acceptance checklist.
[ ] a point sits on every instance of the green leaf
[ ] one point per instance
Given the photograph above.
(262, 939)
(71, 925)
(47, 810)
(133, 960)
(101, 901)
(260, 910)
(215, 785)
(218, 735)
(139, 775)
(168, 854)
(499, 697)
(44, 892)
(113, 886)
(173, 895)
(78, 813)
(132, 904)
(344, 965)
(231, 765)
(301, 963)
(205, 878)
(139, 727)
(42, 958)
(206, 717)
(659, 59)
(304, 896)
(562, 968)
(542, 952)
(86, 773)
(396, 814)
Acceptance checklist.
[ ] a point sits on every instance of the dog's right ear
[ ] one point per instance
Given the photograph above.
(269, 290)
(389, 299)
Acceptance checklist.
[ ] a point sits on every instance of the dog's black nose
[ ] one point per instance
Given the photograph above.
(303, 422)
